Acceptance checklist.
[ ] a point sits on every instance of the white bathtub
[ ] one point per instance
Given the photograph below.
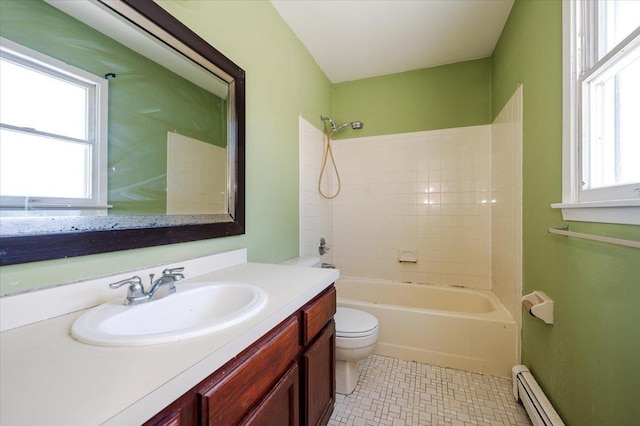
(447, 326)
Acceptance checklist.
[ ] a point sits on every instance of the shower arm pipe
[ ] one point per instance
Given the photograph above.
(355, 125)
(340, 127)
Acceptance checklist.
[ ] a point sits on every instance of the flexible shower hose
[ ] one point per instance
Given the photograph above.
(328, 152)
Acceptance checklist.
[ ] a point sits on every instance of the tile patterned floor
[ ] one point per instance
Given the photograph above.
(401, 393)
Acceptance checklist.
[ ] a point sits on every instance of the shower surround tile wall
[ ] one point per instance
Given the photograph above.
(427, 191)
(196, 176)
(453, 195)
(316, 214)
(506, 210)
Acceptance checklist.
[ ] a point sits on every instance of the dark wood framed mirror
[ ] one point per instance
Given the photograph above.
(30, 232)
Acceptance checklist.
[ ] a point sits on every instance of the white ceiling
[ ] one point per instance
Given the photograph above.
(354, 39)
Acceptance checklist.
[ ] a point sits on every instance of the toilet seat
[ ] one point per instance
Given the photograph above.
(352, 323)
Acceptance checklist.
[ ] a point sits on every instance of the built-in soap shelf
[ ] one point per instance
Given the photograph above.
(539, 305)
(408, 255)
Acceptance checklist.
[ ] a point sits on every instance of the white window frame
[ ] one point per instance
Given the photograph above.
(98, 134)
(596, 205)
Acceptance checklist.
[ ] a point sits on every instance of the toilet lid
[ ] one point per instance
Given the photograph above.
(354, 323)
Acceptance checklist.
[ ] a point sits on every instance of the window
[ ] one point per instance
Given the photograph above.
(601, 157)
(53, 125)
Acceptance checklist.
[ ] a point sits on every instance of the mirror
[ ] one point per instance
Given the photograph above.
(171, 165)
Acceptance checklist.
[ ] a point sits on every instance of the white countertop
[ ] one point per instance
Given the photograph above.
(47, 377)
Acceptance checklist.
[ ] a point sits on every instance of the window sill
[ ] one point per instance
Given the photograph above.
(52, 206)
(625, 212)
(48, 210)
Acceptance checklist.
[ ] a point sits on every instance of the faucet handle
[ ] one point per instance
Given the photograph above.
(136, 289)
(133, 280)
(173, 271)
(176, 273)
(323, 248)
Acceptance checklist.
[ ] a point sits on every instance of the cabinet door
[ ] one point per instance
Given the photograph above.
(281, 406)
(228, 396)
(319, 378)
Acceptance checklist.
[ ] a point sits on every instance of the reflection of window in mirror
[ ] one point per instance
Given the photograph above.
(53, 148)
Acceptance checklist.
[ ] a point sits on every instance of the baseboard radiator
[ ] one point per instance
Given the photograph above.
(527, 390)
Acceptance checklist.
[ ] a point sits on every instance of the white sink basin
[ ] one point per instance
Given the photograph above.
(193, 310)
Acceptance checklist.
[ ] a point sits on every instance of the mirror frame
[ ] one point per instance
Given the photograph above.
(48, 246)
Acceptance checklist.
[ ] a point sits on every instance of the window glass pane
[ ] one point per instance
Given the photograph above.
(36, 166)
(618, 19)
(43, 102)
(629, 106)
(612, 156)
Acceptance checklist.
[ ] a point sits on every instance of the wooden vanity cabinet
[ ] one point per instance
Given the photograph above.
(318, 359)
(285, 378)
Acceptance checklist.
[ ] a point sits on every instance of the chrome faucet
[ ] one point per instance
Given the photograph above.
(165, 285)
(162, 287)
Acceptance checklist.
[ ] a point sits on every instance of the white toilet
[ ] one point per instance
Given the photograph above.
(356, 336)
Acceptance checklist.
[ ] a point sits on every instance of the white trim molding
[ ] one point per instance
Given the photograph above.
(623, 211)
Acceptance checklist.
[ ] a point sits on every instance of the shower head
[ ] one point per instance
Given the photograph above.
(355, 125)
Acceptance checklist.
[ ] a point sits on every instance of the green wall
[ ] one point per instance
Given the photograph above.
(588, 360)
(283, 81)
(138, 124)
(454, 95)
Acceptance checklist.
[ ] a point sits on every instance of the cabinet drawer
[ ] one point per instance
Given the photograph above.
(317, 313)
(228, 396)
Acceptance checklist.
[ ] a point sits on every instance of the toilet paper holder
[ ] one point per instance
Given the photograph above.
(539, 305)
